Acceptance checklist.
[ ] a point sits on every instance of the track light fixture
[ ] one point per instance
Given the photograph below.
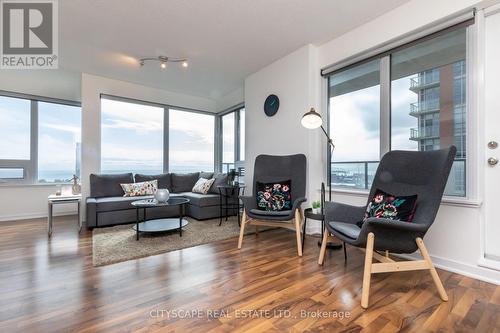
(163, 61)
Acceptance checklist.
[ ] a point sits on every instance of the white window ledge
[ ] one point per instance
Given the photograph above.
(449, 201)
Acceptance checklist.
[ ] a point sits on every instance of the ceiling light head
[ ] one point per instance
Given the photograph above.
(163, 64)
(311, 119)
(185, 64)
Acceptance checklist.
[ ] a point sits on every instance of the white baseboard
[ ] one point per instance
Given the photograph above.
(29, 216)
(472, 271)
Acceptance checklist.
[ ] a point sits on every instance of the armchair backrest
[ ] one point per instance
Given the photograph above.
(269, 168)
(424, 173)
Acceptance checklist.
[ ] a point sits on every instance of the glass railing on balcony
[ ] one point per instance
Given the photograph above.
(426, 106)
(424, 79)
(360, 175)
(356, 175)
(428, 132)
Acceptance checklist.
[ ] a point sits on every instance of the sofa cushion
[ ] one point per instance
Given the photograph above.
(350, 230)
(116, 203)
(220, 179)
(270, 212)
(164, 180)
(184, 182)
(201, 200)
(108, 185)
(206, 175)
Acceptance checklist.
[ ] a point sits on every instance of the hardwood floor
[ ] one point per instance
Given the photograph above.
(51, 286)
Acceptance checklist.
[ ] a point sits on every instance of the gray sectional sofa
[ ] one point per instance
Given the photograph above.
(107, 206)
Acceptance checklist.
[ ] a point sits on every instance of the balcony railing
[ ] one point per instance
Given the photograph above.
(424, 80)
(427, 133)
(360, 174)
(424, 107)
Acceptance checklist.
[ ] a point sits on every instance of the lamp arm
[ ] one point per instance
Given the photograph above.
(332, 147)
(330, 141)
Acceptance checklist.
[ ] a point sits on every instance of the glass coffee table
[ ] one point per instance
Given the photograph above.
(161, 224)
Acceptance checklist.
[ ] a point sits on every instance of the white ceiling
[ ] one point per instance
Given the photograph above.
(225, 40)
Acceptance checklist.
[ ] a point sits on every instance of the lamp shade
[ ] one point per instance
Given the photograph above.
(311, 119)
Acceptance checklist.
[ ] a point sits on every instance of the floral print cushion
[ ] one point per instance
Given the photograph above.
(203, 185)
(138, 189)
(274, 196)
(387, 206)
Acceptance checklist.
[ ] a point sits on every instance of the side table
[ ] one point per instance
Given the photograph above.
(308, 213)
(229, 192)
(63, 199)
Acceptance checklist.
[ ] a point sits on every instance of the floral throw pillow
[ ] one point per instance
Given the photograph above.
(138, 189)
(203, 185)
(274, 196)
(387, 206)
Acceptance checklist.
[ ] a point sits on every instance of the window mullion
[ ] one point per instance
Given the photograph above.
(32, 172)
(166, 137)
(385, 105)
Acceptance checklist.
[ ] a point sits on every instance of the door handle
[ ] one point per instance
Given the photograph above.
(492, 161)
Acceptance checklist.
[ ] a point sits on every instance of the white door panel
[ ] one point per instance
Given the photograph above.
(492, 134)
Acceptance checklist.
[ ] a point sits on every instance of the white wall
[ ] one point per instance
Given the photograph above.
(46, 83)
(290, 79)
(92, 87)
(454, 239)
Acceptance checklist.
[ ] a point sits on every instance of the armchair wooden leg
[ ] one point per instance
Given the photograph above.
(242, 229)
(368, 271)
(298, 228)
(434, 274)
(323, 247)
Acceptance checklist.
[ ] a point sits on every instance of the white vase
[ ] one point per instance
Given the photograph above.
(162, 195)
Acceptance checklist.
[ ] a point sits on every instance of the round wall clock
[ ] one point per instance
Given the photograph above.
(271, 105)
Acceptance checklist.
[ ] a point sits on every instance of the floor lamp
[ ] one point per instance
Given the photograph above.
(313, 120)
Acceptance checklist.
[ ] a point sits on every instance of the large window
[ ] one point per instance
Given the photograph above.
(59, 142)
(423, 98)
(191, 141)
(131, 137)
(134, 138)
(355, 124)
(39, 140)
(233, 140)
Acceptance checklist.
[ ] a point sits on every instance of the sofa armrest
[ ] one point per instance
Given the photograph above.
(91, 209)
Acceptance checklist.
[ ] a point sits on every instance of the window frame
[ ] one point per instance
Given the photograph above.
(239, 160)
(471, 190)
(30, 166)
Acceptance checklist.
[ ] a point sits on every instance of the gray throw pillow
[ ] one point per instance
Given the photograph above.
(164, 180)
(184, 182)
(220, 179)
(108, 185)
(206, 175)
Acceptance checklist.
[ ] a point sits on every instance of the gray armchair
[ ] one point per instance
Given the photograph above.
(270, 169)
(400, 173)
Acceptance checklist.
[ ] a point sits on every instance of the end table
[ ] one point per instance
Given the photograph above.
(308, 213)
(226, 192)
(62, 199)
